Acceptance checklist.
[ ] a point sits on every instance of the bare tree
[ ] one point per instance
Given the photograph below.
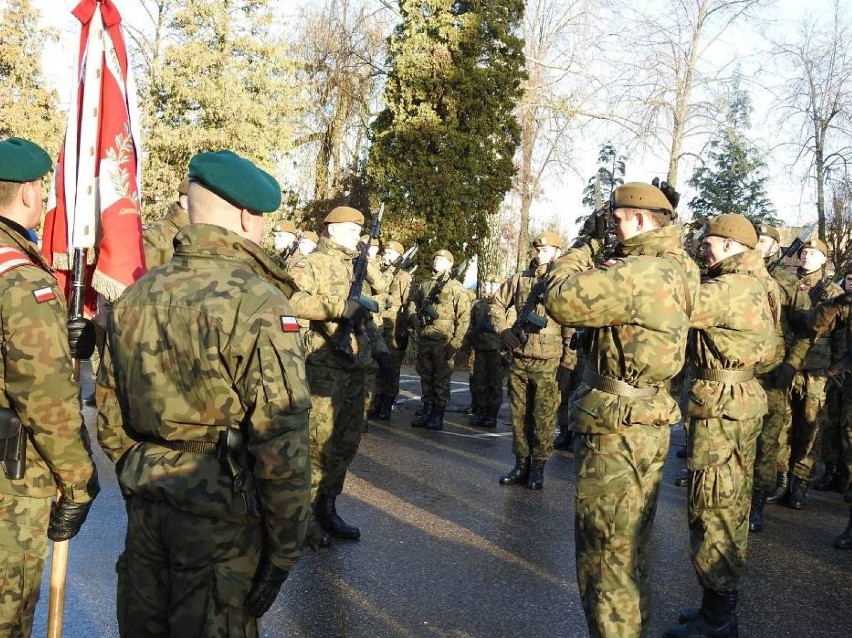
(839, 226)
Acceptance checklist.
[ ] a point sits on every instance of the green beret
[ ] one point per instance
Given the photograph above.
(548, 238)
(236, 180)
(22, 161)
(733, 226)
(640, 195)
(768, 231)
(344, 214)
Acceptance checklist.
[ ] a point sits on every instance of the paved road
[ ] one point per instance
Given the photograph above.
(448, 552)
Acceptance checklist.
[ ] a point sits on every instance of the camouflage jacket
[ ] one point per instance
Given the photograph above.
(636, 309)
(204, 344)
(158, 237)
(827, 318)
(734, 321)
(481, 334)
(551, 342)
(453, 311)
(324, 278)
(36, 370)
(394, 305)
(815, 353)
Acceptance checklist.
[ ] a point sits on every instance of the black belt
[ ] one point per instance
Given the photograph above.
(617, 386)
(725, 376)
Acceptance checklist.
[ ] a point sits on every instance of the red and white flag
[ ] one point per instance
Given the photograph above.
(95, 199)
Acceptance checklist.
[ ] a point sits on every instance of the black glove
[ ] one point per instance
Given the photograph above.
(355, 312)
(509, 339)
(264, 590)
(81, 338)
(451, 353)
(784, 376)
(668, 190)
(66, 518)
(385, 361)
(595, 226)
(841, 300)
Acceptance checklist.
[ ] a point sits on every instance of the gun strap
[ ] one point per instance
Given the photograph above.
(725, 376)
(193, 447)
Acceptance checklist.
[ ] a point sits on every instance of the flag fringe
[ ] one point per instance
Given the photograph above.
(108, 287)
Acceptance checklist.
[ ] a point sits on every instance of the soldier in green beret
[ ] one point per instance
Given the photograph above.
(203, 405)
(42, 436)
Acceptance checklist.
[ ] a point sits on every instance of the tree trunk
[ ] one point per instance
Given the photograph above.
(525, 186)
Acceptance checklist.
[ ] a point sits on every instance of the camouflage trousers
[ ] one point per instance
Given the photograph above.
(775, 424)
(618, 482)
(185, 575)
(831, 444)
(720, 458)
(807, 402)
(567, 383)
(371, 371)
(23, 549)
(534, 400)
(435, 371)
(388, 383)
(337, 401)
(487, 377)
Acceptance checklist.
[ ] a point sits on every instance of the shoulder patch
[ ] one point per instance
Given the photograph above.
(289, 324)
(610, 262)
(44, 294)
(11, 258)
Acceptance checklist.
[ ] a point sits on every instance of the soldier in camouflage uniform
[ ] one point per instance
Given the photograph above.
(378, 285)
(637, 309)
(488, 372)
(439, 339)
(284, 243)
(308, 242)
(734, 318)
(533, 390)
(336, 380)
(158, 237)
(38, 388)
(568, 378)
(203, 349)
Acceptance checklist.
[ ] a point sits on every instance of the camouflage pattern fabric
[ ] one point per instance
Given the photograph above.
(488, 376)
(637, 309)
(831, 441)
(567, 379)
(203, 344)
(846, 440)
(534, 399)
(158, 237)
(734, 319)
(394, 318)
(435, 370)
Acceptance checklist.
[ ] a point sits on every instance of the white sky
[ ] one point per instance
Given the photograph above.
(794, 204)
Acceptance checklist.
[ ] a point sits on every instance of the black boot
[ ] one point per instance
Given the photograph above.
(755, 516)
(798, 493)
(518, 474)
(426, 409)
(830, 479)
(782, 485)
(330, 521)
(565, 440)
(844, 541)
(387, 405)
(436, 419)
(490, 420)
(715, 619)
(535, 481)
(422, 416)
(477, 419)
(374, 406)
(316, 537)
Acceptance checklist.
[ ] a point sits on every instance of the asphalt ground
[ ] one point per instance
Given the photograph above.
(447, 551)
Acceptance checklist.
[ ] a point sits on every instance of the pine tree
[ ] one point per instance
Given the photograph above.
(609, 176)
(442, 152)
(733, 179)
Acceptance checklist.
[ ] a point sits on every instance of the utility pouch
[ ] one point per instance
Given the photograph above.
(536, 322)
(13, 445)
(236, 461)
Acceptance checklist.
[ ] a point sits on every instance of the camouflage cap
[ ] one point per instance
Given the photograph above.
(183, 187)
(236, 180)
(22, 161)
(284, 226)
(640, 195)
(816, 244)
(733, 226)
(768, 231)
(344, 214)
(394, 245)
(444, 253)
(548, 238)
(310, 235)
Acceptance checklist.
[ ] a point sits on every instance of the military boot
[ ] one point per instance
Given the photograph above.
(425, 409)
(782, 485)
(330, 521)
(565, 439)
(519, 474)
(830, 480)
(477, 419)
(798, 493)
(844, 541)
(535, 481)
(374, 406)
(715, 619)
(436, 419)
(422, 416)
(315, 536)
(755, 516)
(490, 420)
(387, 406)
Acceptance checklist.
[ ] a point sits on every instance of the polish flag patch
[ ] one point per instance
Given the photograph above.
(44, 294)
(289, 324)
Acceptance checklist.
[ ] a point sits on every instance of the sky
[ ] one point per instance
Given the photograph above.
(558, 202)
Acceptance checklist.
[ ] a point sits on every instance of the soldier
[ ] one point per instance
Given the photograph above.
(734, 321)
(488, 372)
(44, 445)
(537, 353)
(337, 357)
(393, 306)
(807, 367)
(203, 405)
(308, 242)
(158, 237)
(439, 309)
(637, 309)
(567, 379)
(284, 241)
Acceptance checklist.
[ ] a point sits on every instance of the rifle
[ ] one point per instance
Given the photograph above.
(290, 251)
(343, 346)
(526, 318)
(404, 260)
(427, 313)
(793, 248)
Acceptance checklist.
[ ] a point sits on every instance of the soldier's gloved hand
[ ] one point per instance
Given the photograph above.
(509, 339)
(355, 312)
(784, 376)
(264, 590)
(841, 300)
(668, 190)
(451, 352)
(385, 361)
(66, 518)
(81, 338)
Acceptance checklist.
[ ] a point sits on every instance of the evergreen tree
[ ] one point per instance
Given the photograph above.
(442, 152)
(609, 176)
(733, 179)
(28, 107)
